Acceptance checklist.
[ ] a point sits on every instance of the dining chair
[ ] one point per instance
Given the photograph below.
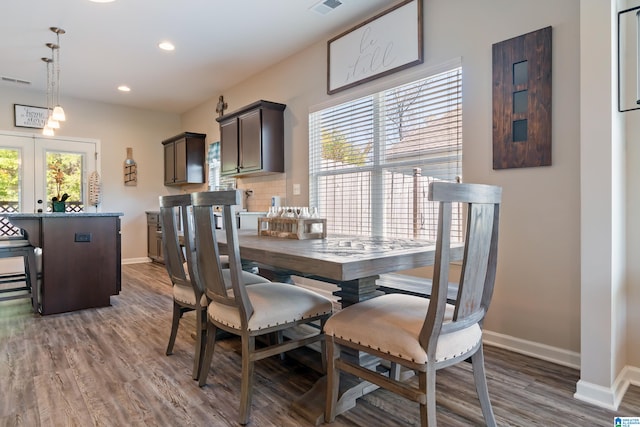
(24, 283)
(248, 311)
(179, 251)
(426, 334)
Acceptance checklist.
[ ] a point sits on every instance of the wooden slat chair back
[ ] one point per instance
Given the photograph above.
(207, 244)
(424, 335)
(479, 264)
(248, 311)
(179, 261)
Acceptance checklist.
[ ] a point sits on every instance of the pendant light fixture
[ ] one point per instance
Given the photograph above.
(58, 112)
(47, 130)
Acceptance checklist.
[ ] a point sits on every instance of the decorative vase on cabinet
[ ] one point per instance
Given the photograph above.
(58, 206)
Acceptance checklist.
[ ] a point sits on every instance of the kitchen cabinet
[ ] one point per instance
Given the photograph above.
(81, 258)
(184, 159)
(154, 237)
(252, 140)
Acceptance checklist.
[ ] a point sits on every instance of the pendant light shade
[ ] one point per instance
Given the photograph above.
(53, 123)
(58, 114)
(47, 131)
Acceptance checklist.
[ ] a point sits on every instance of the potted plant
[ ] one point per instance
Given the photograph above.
(58, 201)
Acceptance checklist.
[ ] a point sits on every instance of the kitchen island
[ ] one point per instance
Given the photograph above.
(81, 257)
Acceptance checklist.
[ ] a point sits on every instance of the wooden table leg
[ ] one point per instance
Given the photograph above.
(358, 290)
(311, 405)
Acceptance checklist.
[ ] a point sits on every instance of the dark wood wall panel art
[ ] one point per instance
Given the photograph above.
(522, 101)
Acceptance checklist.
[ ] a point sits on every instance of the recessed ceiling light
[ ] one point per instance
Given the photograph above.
(124, 88)
(166, 45)
(102, 1)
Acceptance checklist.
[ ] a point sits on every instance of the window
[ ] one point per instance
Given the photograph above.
(371, 159)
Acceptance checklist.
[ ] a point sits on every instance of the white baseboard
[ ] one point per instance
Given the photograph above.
(597, 395)
(135, 260)
(556, 355)
(594, 394)
(608, 397)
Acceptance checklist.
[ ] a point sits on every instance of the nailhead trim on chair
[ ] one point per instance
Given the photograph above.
(402, 357)
(272, 325)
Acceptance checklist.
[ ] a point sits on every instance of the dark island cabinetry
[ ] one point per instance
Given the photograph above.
(81, 258)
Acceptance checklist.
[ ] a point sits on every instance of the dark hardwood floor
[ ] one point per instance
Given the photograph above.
(107, 367)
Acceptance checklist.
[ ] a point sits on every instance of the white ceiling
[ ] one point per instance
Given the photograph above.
(219, 43)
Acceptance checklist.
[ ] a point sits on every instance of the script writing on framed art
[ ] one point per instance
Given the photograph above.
(388, 42)
(26, 116)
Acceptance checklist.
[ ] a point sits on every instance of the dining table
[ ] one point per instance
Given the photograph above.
(353, 263)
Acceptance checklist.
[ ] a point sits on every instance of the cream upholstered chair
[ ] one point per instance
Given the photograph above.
(420, 334)
(188, 295)
(247, 311)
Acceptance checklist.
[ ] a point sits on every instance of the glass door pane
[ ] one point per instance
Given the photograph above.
(64, 180)
(65, 166)
(10, 188)
(16, 178)
(10, 179)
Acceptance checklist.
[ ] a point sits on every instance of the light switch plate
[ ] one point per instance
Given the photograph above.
(296, 189)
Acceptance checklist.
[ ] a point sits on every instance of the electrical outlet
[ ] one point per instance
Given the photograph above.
(296, 189)
(82, 237)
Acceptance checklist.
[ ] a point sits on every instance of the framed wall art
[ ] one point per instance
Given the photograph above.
(26, 116)
(388, 42)
(522, 101)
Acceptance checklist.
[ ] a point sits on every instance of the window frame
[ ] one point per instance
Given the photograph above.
(376, 166)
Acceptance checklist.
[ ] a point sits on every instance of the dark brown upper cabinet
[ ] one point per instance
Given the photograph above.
(184, 159)
(252, 140)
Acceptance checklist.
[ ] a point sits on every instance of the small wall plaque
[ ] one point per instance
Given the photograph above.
(522, 101)
(130, 169)
(26, 116)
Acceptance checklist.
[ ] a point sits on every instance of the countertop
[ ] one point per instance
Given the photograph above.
(58, 214)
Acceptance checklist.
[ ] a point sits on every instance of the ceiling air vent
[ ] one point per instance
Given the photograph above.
(325, 6)
(14, 80)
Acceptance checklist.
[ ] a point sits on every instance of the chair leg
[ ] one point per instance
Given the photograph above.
(323, 346)
(177, 314)
(427, 383)
(481, 387)
(394, 371)
(333, 380)
(31, 277)
(246, 387)
(208, 354)
(280, 340)
(201, 334)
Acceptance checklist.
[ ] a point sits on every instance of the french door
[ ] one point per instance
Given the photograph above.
(34, 170)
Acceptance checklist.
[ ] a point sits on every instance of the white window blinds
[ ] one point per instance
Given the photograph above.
(371, 159)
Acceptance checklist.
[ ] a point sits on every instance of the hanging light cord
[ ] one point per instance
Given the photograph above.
(57, 64)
